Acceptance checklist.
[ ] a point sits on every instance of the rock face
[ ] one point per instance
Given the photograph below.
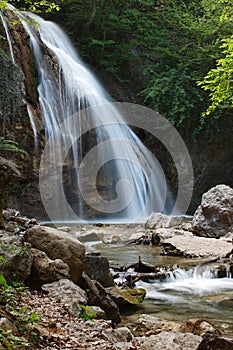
(158, 220)
(16, 257)
(214, 217)
(97, 268)
(58, 245)
(69, 294)
(192, 246)
(8, 173)
(45, 270)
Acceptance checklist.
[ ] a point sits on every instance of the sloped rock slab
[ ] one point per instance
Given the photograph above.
(196, 246)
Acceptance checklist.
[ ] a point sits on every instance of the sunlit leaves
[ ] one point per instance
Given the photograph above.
(219, 81)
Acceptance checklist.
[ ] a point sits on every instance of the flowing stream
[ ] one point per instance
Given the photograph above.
(189, 291)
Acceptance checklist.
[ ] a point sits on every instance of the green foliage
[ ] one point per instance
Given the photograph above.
(23, 320)
(10, 145)
(33, 6)
(11, 341)
(87, 314)
(157, 49)
(219, 81)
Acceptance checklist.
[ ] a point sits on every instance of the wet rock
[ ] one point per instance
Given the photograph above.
(126, 237)
(16, 256)
(171, 341)
(45, 270)
(89, 236)
(213, 342)
(58, 245)
(146, 325)
(214, 217)
(97, 268)
(125, 298)
(196, 246)
(226, 303)
(158, 220)
(69, 294)
(199, 327)
(97, 296)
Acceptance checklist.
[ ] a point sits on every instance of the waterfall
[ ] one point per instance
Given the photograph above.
(118, 179)
(33, 125)
(8, 37)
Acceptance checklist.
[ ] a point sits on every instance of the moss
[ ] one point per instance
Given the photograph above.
(133, 296)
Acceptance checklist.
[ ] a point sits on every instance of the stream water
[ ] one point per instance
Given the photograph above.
(191, 290)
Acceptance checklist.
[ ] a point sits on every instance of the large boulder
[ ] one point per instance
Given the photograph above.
(68, 294)
(214, 217)
(58, 245)
(158, 220)
(16, 257)
(97, 268)
(45, 270)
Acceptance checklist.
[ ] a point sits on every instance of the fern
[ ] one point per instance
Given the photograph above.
(10, 145)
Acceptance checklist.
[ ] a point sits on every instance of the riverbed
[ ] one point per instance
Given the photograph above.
(190, 291)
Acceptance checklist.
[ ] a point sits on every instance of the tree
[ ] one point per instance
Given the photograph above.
(219, 81)
(33, 6)
(157, 49)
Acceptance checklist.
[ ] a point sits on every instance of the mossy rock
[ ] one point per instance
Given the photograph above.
(127, 297)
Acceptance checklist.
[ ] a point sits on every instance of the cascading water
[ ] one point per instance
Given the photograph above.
(64, 93)
(129, 179)
(8, 37)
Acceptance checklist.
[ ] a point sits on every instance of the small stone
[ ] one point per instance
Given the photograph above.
(7, 325)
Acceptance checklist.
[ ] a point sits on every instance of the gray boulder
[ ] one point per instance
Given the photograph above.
(97, 268)
(45, 270)
(214, 217)
(171, 341)
(16, 257)
(146, 325)
(59, 245)
(158, 220)
(68, 294)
